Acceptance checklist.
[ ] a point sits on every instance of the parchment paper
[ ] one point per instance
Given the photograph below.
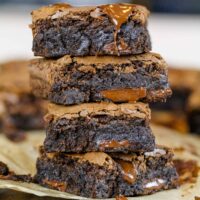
(21, 159)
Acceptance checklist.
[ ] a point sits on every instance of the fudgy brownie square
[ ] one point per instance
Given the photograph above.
(100, 175)
(104, 127)
(19, 109)
(118, 29)
(74, 80)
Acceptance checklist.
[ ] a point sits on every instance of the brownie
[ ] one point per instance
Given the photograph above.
(19, 109)
(6, 174)
(104, 127)
(118, 29)
(101, 175)
(23, 111)
(75, 80)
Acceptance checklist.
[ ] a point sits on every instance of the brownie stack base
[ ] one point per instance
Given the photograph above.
(99, 175)
(104, 127)
(74, 80)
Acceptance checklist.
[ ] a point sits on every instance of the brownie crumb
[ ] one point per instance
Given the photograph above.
(21, 178)
(3, 169)
(187, 170)
(6, 174)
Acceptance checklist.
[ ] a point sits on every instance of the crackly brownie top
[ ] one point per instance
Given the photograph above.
(14, 77)
(159, 151)
(91, 63)
(118, 13)
(139, 110)
(98, 158)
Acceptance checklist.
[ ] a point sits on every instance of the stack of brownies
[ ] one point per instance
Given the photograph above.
(97, 73)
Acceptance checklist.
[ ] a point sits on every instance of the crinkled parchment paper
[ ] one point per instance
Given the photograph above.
(21, 159)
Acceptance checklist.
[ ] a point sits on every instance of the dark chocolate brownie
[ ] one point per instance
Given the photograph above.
(118, 29)
(104, 127)
(19, 109)
(74, 80)
(99, 175)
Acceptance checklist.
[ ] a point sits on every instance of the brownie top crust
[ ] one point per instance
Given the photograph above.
(108, 160)
(14, 77)
(113, 11)
(101, 61)
(98, 158)
(157, 152)
(139, 110)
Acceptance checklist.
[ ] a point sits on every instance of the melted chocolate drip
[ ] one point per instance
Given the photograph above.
(119, 14)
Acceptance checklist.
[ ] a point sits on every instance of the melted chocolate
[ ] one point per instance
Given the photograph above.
(119, 14)
(114, 144)
(128, 171)
(56, 184)
(124, 95)
(121, 197)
